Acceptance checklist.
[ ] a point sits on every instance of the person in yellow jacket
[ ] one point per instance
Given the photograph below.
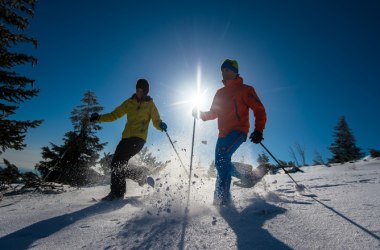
(139, 109)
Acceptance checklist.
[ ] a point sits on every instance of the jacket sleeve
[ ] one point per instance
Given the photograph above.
(116, 114)
(155, 115)
(212, 114)
(253, 101)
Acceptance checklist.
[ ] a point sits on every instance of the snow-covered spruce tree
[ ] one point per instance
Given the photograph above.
(8, 175)
(262, 159)
(105, 163)
(11, 174)
(14, 88)
(344, 147)
(148, 159)
(71, 163)
(10, 171)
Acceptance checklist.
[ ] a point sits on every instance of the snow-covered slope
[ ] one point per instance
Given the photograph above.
(272, 215)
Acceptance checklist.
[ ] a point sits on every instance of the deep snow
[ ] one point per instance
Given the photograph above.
(272, 215)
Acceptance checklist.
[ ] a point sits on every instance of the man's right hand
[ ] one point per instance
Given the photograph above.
(94, 117)
(195, 113)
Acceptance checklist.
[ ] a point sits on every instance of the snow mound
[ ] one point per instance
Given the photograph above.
(272, 215)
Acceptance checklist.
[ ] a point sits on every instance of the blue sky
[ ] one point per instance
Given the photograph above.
(309, 61)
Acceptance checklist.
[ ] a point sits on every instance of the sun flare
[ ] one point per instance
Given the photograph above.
(193, 96)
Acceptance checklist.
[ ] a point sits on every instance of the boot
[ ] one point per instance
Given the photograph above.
(111, 196)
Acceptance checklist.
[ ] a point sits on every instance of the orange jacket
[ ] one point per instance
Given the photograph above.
(231, 106)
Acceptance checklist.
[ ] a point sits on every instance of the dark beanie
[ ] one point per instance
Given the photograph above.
(231, 65)
(143, 84)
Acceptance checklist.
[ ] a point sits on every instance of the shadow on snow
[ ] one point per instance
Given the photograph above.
(248, 225)
(25, 237)
(199, 231)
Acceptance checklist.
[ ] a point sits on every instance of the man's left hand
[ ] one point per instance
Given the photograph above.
(94, 117)
(256, 137)
(163, 126)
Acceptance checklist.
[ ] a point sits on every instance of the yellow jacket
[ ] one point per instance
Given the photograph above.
(139, 114)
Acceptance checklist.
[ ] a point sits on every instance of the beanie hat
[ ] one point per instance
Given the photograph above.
(143, 84)
(231, 65)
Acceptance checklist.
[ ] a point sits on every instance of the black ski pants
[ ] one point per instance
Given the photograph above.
(125, 150)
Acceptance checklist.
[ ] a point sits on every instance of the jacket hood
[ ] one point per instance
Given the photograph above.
(230, 83)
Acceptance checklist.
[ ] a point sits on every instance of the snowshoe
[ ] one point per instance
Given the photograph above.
(251, 178)
(146, 180)
(150, 181)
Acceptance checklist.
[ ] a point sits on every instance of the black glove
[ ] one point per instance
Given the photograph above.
(256, 137)
(163, 126)
(94, 117)
(195, 112)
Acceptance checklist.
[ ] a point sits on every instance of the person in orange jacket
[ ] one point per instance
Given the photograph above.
(231, 106)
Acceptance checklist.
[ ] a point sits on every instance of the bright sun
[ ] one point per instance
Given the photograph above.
(198, 99)
(193, 97)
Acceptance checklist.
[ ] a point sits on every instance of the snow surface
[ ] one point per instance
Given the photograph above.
(342, 212)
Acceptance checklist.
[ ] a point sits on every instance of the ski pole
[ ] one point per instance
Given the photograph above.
(175, 150)
(191, 167)
(286, 172)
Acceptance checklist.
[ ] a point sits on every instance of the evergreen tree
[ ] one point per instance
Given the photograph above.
(14, 88)
(8, 175)
(105, 163)
(344, 147)
(71, 162)
(143, 160)
(144, 157)
(262, 159)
